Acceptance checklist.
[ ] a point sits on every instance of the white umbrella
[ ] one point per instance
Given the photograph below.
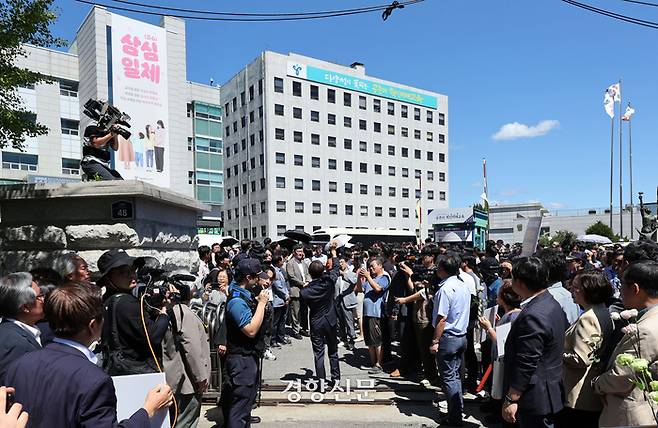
(341, 241)
(595, 239)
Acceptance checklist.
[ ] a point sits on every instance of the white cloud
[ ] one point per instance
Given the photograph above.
(556, 205)
(513, 131)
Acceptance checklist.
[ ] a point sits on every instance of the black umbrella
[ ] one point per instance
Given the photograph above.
(228, 242)
(298, 235)
(286, 243)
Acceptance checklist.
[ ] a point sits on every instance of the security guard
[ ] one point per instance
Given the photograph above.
(245, 343)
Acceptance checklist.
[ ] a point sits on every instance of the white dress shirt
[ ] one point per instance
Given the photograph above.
(80, 347)
(34, 332)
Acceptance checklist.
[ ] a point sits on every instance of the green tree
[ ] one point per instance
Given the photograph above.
(566, 239)
(544, 240)
(602, 229)
(21, 22)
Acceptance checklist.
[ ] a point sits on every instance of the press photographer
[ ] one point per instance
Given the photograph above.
(101, 136)
(126, 347)
(186, 356)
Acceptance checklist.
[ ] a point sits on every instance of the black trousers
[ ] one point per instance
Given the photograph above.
(93, 169)
(241, 391)
(279, 324)
(424, 336)
(325, 335)
(159, 159)
(569, 417)
(409, 357)
(471, 360)
(388, 334)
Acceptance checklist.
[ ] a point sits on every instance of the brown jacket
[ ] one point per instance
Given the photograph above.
(624, 404)
(583, 341)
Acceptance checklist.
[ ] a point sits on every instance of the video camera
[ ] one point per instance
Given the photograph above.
(108, 117)
(153, 282)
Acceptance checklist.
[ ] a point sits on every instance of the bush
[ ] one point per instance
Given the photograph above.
(602, 229)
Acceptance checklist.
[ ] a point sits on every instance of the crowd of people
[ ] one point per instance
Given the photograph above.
(430, 313)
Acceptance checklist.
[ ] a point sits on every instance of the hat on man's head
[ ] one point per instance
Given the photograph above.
(577, 255)
(112, 259)
(249, 267)
(489, 265)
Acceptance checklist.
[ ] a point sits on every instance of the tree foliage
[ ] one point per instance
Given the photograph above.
(602, 229)
(21, 22)
(566, 239)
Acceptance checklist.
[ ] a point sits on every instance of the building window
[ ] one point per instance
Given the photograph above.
(251, 93)
(430, 195)
(391, 150)
(331, 118)
(405, 152)
(391, 171)
(70, 127)
(378, 211)
(364, 211)
(442, 157)
(333, 209)
(260, 87)
(363, 189)
(404, 111)
(299, 160)
(405, 172)
(331, 96)
(280, 229)
(331, 141)
(378, 190)
(363, 146)
(348, 187)
(362, 102)
(347, 165)
(377, 127)
(347, 144)
(442, 196)
(332, 163)
(281, 182)
(363, 125)
(299, 207)
(278, 109)
(391, 212)
(430, 175)
(391, 109)
(263, 230)
(333, 186)
(347, 99)
(263, 207)
(280, 206)
(391, 130)
(430, 156)
(297, 136)
(279, 134)
(252, 163)
(378, 169)
(378, 148)
(430, 136)
(442, 139)
(315, 185)
(296, 113)
(315, 92)
(418, 194)
(442, 119)
(243, 99)
(416, 113)
(417, 154)
(404, 131)
(278, 84)
(297, 89)
(417, 134)
(363, 167)
(72, 167)
(262, 183)
(315, 139)
(299, 184)
(315, 116)
(315, 162)
(405, 192)
(442, 176)
(391, 192)
(349, 209)
(317, 208)
(417, 174)
(376, 105)
(430, 117)
(67, 88)
(347, 122)
(405, 212)
(253, 209)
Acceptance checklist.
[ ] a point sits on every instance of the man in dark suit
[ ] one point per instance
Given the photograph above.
(60, 385)
(21, 308)
(534, 350)
(319, 297)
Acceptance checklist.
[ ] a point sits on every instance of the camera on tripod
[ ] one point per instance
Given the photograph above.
(108, 117)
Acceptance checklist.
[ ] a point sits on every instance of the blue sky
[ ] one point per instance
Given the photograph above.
(499, 62)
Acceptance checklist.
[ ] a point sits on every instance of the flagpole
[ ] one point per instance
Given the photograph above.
(486, 193)
(621, 177)
(630, 170)
(612, 157)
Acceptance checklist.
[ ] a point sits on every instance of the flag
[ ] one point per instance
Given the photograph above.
(629, 112)
(485, 199)
(612, 94)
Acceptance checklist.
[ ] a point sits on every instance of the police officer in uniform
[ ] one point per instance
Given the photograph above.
(245, 321)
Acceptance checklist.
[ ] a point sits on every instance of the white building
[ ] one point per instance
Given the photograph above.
(194, 122)
(313, 144)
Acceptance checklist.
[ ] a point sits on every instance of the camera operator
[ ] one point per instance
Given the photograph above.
(96, 153)
(244, 321)
(126, 347)
(425, 282)
(186, 358)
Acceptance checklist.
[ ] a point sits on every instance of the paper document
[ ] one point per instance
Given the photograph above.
(131, 391)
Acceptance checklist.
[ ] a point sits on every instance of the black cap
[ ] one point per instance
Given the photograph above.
(249, 267)
(489, 265)
(577, 255)
(112, 259)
